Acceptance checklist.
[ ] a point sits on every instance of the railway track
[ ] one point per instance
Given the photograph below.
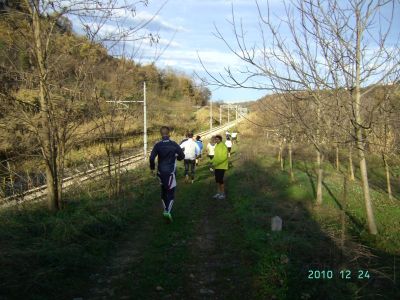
(38, 193)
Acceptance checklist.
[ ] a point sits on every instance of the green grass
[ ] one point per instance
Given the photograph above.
(38, 247)
(229, 243)
(311, 234)
(386, 212)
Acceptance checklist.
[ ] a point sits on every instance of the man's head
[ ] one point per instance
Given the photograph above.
(198, 138)
(218, 139)
(164, 131)
(190, 135)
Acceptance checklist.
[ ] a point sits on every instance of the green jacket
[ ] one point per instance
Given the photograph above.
(220, 160)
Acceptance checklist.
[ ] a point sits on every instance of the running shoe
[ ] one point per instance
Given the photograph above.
(216, 196)
(168, 216)
(221, 197)
(187, 178)
(192, 181)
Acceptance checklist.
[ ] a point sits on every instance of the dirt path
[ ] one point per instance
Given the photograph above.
(193, 258)
(105, 284)
(204, 264)
(203, 272)
(216, 268)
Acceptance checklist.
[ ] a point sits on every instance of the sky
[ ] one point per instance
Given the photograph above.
(192, 23)
(187, 32)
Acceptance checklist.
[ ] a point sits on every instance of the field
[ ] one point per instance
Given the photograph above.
(215, 249)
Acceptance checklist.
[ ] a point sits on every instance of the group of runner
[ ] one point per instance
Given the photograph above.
(190, 151)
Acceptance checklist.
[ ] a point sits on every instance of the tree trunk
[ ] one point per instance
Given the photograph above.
(281, 159)
(367, 197)
(290, 161)
(110, 177)
(28, 180)
(320, 158)
(387, 171)
(3, 188)
(52, 193)
(359, 130)
(118, 170)
(351, 167)
(280, 153)
(337, 158)
(49, 149)
(343, 214)
(10, 175)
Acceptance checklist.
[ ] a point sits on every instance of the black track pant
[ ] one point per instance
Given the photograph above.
(168, 185)
(189, 163)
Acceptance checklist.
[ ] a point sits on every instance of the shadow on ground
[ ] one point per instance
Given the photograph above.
(298, 262)
(122, 249)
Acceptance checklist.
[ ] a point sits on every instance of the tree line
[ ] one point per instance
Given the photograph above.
(55, 83)
(333, 68)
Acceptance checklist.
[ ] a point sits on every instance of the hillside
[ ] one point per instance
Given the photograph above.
(81, 76)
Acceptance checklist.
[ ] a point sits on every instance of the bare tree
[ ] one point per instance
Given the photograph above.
(382, 139)
(331, 45)
(57, 119)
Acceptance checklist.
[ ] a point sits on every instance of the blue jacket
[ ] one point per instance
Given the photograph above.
(200, 143)
(167, 151)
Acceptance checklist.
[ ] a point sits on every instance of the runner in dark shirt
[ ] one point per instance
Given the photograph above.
(167, 152)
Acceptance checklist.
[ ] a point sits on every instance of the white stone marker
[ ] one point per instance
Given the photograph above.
(276, 224)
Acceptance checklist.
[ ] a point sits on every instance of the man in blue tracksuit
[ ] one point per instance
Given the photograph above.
(167, 152)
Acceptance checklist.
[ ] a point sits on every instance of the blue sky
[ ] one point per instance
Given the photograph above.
(191, 23)
(188, 27)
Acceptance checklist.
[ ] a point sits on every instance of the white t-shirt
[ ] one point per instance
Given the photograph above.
(228, 144)
(234, 134)
(191, 149)
(210, 149)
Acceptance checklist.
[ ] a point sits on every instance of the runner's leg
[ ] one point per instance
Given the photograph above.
(192, 168)
(164, 196)
(171, 198)
(186, 163)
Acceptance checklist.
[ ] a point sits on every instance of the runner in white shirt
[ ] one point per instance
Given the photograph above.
(234, 136)
(211, 147)
(191, 150)
(228, 144)
(210, 151)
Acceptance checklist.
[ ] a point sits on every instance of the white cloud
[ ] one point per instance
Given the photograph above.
(157, 22)
(213, 60)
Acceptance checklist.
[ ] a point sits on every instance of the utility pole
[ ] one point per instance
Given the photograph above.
(144, 121)
(144, 101)
(236, 112)
(236, 115)
(210, 114)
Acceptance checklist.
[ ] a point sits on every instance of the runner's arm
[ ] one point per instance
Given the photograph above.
(179, 152)
(154, 153)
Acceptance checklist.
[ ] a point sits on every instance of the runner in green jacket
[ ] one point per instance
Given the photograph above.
(220, 164)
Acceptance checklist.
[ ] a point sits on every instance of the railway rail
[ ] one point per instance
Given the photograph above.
(131, 162)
